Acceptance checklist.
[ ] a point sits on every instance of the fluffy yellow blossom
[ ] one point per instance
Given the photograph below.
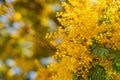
(88, 39)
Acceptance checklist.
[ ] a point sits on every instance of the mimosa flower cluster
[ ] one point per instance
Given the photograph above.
(89, 40)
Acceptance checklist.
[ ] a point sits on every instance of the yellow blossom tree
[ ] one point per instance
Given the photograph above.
(87, 42)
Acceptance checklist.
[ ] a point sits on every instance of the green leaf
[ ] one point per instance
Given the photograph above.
(98, 50)
(97, 73)
(117, 67)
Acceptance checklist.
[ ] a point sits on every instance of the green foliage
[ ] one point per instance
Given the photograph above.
(97, 73)
(116, 56)
(99, 50)
(117, 67)
(116, 60)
